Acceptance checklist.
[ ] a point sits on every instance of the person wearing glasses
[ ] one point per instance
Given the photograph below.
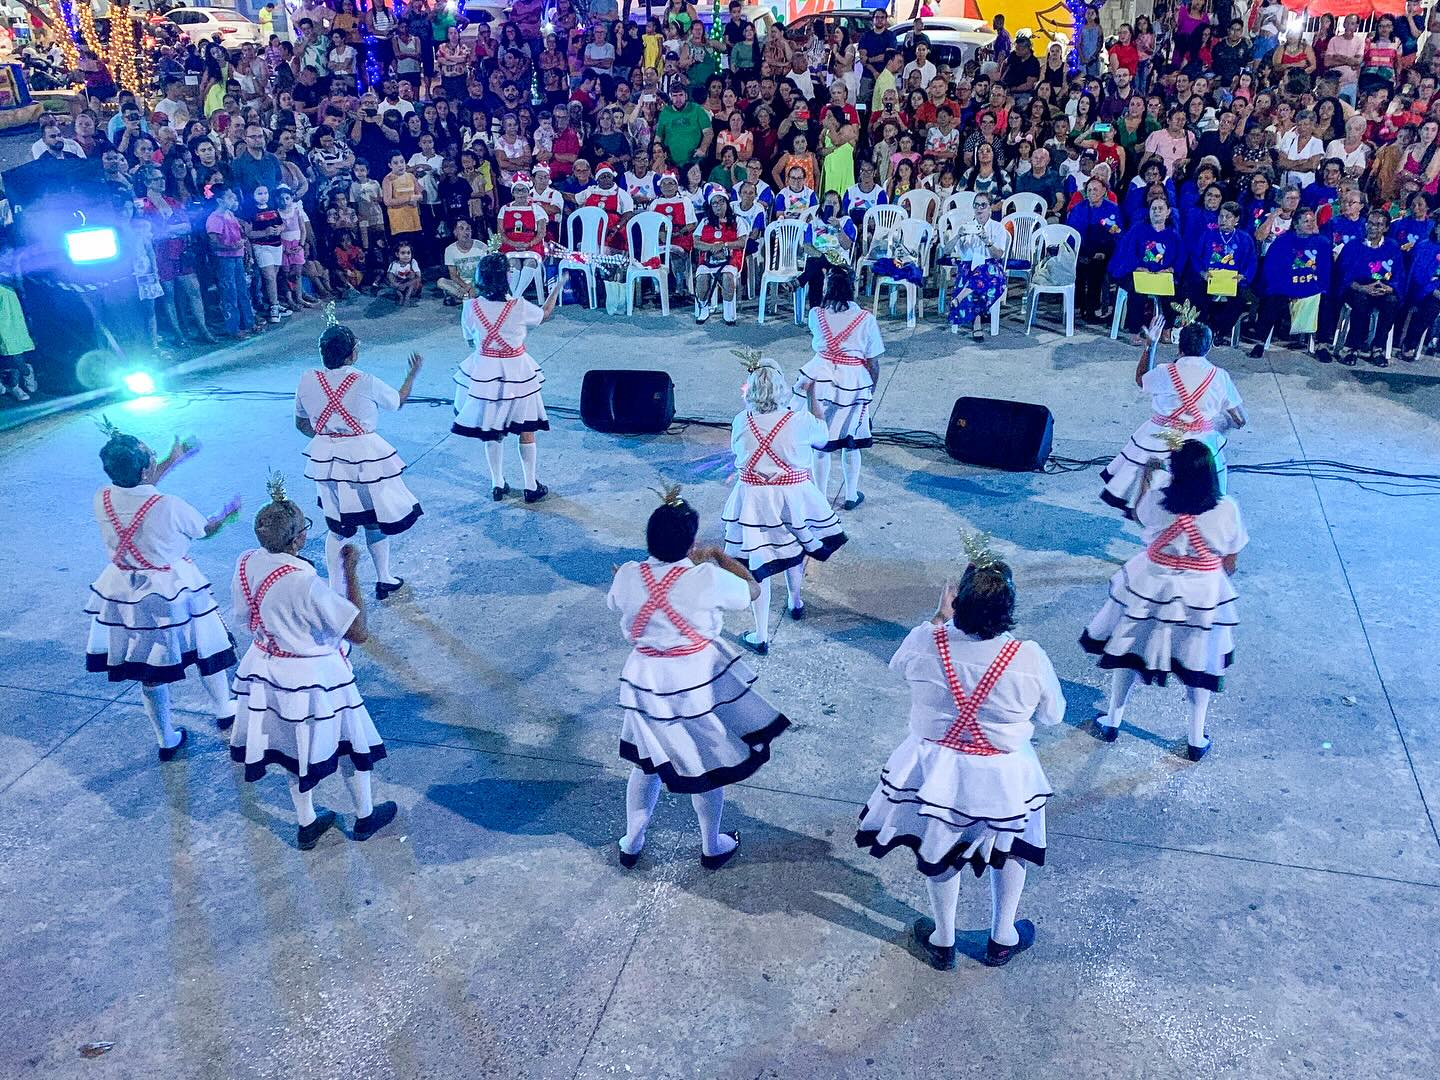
(357, 473)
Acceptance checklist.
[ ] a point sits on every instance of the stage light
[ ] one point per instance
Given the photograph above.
(139, 383)
(91, 245)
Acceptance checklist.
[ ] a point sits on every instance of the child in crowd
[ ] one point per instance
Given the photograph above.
(365, 196)
(349, 259)
(403, 275)
(265, 227)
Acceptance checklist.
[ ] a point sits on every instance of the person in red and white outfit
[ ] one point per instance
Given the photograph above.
(693, 719)
(679, 208)
(497, 387)
(522, 237)
(152, 614)
(842, 376)
(1172, 609)
(776, 516)
(357, 473)
(719, 255)
(613, 199)
(1190, 397)
(301, 709)
(965, 787)
(550, 199)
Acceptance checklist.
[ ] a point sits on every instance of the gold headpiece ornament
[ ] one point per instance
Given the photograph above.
(978, 551)
(108, 428)
(669, 496)
(1186, 314)
(331, 318)
(1173, 438)
(750, 358)
(275, 485)
(492, 245)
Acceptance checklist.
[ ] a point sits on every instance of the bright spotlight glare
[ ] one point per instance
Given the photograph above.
(139, 383)
(91, 245)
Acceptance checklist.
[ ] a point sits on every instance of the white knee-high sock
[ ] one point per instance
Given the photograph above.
(1006, 885)
(850, 464)
(1198, 700)
(794, 580)
(333, 544)
(379, 545)
(944, 895)
(709, 805)
(821, 473)
(1122, 682)
(760, 606)
(157, 707)
(217, 686)
(642, 792)
(358, 781)
(304, 804)
(495, 458)
(529, 451)
(729, 310)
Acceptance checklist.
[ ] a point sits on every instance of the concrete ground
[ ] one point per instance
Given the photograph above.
(1270, 912)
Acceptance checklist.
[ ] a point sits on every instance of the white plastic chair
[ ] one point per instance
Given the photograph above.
(875, 226)
(1024, 202)
(1054, 241)
(951, 222)
(1342, 327)
(1019, 256)
(920, 204)
(963, 201)
(527, 270)
(652, 231)
(585, 229)
(780, 250)
(919, 237)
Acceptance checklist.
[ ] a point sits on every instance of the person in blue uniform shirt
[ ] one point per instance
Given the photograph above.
(1221, 247)
(1370, 279)
(1296, 267)
(1153, 246)
(1422, 296)
(1097, 219)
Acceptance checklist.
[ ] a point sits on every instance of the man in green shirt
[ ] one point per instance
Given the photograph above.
(684, 128)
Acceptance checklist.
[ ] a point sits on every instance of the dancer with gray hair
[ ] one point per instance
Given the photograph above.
(776, 516)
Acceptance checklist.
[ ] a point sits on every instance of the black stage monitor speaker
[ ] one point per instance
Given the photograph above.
(627, 402)
(997, 434)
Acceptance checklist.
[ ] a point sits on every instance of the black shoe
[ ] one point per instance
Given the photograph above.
(714, 862)
(307, 836)
(385, 588)
(851, 504)
(167, 753)
(499, 493)
(730, 322)
(997, 955)
(538, 492)
(797, 613)
(627, 860)
(1411, 356)
(760, 648)
(1108, 733)
(1257, 350)
(380, 815)
(1346, 357)
(450, 301)
(1323, 355)
(1198, 752)
(1378, 358)
(224, 723)
(940, 959)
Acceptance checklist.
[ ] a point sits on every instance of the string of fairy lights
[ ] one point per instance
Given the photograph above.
(129, 63)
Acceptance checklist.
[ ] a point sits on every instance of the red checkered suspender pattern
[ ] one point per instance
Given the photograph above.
(659, 600)
(335, 406)
(264, 640)
(965, 734)
(1203, 559)
(1188, 416)
(488, 345)
(788, 475)
(126, 551)
(834, 350)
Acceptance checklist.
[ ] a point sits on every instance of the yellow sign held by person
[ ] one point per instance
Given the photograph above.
(1222, 282)
(1155, 282)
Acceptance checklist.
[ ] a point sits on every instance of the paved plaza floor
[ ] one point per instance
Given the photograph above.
(1268, 912)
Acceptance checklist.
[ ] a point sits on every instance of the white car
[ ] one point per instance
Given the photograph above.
(203, 23)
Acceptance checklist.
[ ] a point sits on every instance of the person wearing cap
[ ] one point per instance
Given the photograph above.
(719, 254)
(678, 207)
(522, 236)
(613, 199)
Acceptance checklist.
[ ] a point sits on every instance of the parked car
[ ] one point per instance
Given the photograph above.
(203, 23)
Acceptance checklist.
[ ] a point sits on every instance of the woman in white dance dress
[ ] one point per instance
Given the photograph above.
(692, 716)
(497, 387)
(1172, 609)
(776, 516)
(1192, 398)
(152, 614)
(357, 473)
(965, 787)
(300, 707)
(843, 371)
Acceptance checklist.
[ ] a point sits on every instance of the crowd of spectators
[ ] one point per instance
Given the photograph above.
(1269, 172)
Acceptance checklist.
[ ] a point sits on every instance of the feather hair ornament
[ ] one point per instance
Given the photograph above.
(978, 551)
(275, 486)
(331, 318)
(670, 495)
(108, 428)
(750, 359)
(1186, 314)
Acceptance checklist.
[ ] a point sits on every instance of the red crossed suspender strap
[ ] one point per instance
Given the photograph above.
(126, 551)
(335, 406)
(1203, 559)
(965, 734)
(659, 600)
(1188, 416)
(264, 640)
(834, 350)
(788, 474)
(493, 344)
